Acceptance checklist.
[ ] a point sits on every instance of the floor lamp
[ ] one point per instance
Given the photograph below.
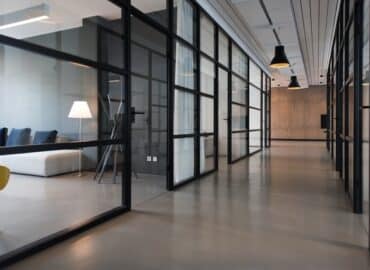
(80, 110)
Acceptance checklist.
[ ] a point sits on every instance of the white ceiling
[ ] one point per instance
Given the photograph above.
(305, 28)
(63, 14)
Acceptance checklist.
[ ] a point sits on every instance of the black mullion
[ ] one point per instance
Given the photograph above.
(170, 98)
(206, 95)
(346, 101)
(255, 108)
(185, 89)
(261, 105)
(239, 76)
(247, 101)
(208, 57)
(239, 104)
(55, 146)
(239, 131)
(181, 136)
(44, 51)
(197, 93)
(127, 164)
(357, 156)
(216, 99)
(229, 102)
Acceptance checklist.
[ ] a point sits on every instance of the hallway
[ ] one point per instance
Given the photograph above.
(281, 209)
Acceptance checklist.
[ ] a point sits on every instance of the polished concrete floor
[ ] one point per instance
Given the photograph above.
(283, 209)
(35, 207)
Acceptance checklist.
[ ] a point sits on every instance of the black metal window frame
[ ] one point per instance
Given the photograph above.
(260, 109)
(340, 78)
(127, 10)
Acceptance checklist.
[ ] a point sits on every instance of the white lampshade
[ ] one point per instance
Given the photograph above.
(80, 109)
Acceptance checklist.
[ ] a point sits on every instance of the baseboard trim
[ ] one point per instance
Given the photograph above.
(298, 140)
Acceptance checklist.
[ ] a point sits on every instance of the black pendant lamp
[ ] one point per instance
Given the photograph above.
(280, 60)
(294, 84)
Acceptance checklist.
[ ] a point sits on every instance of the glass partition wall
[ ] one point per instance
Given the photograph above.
(63, 120)
(122, 101)
(348, 103)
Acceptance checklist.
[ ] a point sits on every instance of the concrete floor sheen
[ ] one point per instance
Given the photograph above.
(284, 208)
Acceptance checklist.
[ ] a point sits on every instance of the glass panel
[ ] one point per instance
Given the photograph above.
(155, 9)
(254, 141)
(69, 27)
(183, 159)
(183, 113)
(207, 153)
(254, 119)
(254, 97)
(222, 111)
(239, 90)
(185, 66)
(206, 115)
(49, 101)
(238, 145)
(239, 118)
(184, 20)
(46, 85)
(35, 196)
(239, 61)
(254, 74)
(366, 116)
(223, 48)
(207, 79)
(207, 35)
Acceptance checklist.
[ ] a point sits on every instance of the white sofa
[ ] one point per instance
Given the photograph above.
(46, 163)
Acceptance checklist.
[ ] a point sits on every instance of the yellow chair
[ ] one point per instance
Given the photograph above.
(4, 177)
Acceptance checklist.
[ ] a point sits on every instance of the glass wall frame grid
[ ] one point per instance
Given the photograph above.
(345, 80)
(125, 205)
(127, 11)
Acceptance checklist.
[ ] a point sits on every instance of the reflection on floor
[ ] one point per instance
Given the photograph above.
(283, 209)
(34, 207)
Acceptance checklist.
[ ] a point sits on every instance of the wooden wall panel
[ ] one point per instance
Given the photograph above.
(295, 114)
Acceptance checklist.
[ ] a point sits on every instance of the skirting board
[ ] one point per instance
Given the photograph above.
(300, 140)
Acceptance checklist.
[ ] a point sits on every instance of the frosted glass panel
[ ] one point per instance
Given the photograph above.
(183, 159)
(254, 141)
(254, 119)
(207, 153)
(183, 113)
(239, 61)
(254, 97)
(238, 90)
(185, 66)
(207, 36)
(254, 74)
(239, 145)
(207, 83)
(239, 117)
(223, 49)
(184, 20)
(206, 115)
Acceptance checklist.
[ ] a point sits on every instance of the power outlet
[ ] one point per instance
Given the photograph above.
(149, 159)
(155, 159)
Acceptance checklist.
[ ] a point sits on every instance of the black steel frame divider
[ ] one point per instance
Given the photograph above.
(340, 49)
(127, 10)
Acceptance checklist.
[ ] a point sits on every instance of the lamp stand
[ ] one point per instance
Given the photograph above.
(79, 153)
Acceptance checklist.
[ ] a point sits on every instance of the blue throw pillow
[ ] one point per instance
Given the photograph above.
(3, 136)
(18, 137)
(42, 137)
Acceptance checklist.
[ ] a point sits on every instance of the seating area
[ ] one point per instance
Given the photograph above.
(46, 164)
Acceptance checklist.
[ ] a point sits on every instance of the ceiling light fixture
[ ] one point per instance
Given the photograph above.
(24, 16)
(280, 59)
(294, 84)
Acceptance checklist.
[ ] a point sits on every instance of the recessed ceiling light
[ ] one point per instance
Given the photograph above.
(24, 16)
